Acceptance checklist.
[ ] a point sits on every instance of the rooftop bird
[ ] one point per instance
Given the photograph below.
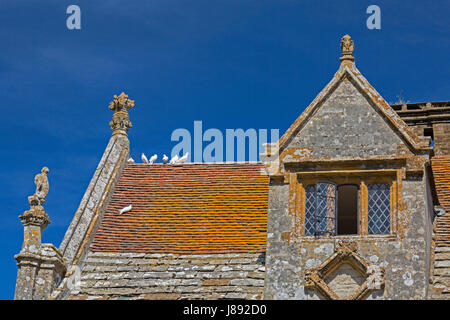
(144, 158)
(174, 159)
(165, 158)
(126, 209)
(153, 158)
(131, 160)
(183, 158)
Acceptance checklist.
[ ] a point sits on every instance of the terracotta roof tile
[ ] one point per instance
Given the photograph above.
(441, 173)
(189, 208)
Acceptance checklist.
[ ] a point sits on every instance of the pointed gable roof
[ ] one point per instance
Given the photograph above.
(348, 70)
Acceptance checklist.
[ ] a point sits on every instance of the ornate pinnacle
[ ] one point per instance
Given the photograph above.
(121, 102)
(347, 48)
(121, 122)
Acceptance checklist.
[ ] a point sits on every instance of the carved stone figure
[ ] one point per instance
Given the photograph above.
(41, 181)
(375, 280)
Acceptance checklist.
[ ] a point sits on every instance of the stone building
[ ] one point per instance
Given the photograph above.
(352, 202)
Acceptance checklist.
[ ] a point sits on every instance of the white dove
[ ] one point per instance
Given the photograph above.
(174, 159)
(153, 159)
(165, 158)
(144, 158)
(126, 209)
(183, 158)
(131, 160)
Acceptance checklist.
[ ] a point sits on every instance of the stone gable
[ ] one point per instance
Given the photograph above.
(346, 125)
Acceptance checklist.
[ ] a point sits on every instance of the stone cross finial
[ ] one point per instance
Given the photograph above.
(347, 48)
(120, 105)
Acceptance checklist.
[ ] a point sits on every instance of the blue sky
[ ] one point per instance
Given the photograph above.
(232, 64)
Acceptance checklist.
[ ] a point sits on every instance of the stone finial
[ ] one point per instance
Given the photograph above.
(121, 122)
(347, 48)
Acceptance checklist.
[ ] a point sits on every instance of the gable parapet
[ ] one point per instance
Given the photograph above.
(96, 198)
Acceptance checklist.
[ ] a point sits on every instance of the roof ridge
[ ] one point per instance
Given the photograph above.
(200, 163)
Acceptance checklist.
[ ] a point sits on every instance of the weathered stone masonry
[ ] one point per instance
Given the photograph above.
(348, 135)
(404, 260)
(171, 276)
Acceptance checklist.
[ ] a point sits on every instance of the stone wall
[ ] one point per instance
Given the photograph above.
(441, 133)
(348, 128)
(431, 118)
(441, 275)
(39, 272)
(339, 128)
(405, 259)
(171, 276)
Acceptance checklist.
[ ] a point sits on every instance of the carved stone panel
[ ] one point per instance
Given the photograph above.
(345, 275)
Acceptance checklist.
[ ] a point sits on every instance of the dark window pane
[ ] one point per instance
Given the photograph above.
(347, 209)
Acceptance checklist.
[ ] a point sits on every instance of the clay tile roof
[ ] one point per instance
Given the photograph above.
(441, 173)
(189, 208)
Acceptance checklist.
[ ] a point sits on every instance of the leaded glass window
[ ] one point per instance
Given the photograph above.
(320, 209)
(379, 208)
(310, 210)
